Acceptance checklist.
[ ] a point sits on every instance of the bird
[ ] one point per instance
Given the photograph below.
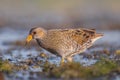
(64, 42)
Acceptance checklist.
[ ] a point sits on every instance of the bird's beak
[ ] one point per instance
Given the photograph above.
(29, 38)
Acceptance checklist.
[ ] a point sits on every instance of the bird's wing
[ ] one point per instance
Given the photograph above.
(79, 35)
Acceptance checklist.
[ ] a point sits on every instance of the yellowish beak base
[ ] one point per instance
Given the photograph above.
(29, 38)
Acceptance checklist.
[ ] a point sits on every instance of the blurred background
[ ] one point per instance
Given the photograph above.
(101, 14)
(17, 17)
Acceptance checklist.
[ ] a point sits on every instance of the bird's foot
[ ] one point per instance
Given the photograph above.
(62, 61)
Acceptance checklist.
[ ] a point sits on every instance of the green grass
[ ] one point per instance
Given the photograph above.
(70, 70)
(75, 70)
(5, 66)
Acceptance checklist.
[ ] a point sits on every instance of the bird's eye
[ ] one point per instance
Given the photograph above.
(34, 32)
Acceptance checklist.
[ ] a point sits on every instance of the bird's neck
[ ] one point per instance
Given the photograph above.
(39, 41)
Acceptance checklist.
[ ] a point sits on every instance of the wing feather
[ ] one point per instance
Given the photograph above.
(81, 35)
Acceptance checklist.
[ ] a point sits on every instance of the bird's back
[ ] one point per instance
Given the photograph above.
(80, 36)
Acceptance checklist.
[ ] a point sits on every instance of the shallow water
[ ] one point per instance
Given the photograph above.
(18, 54)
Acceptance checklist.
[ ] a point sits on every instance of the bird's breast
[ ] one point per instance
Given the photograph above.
(49, 47)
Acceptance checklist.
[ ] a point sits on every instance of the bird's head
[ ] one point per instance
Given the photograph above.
(36, 33)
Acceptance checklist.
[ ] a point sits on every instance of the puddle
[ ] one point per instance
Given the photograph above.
(8, 35)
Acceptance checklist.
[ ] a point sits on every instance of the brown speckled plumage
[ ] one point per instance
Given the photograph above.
(65, 42)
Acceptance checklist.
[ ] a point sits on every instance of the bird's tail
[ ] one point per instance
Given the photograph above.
(99, 35)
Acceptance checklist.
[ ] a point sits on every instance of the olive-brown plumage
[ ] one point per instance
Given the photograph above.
(65, 42)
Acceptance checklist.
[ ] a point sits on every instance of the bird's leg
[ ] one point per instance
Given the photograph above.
(69, 59)
(62, 60)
